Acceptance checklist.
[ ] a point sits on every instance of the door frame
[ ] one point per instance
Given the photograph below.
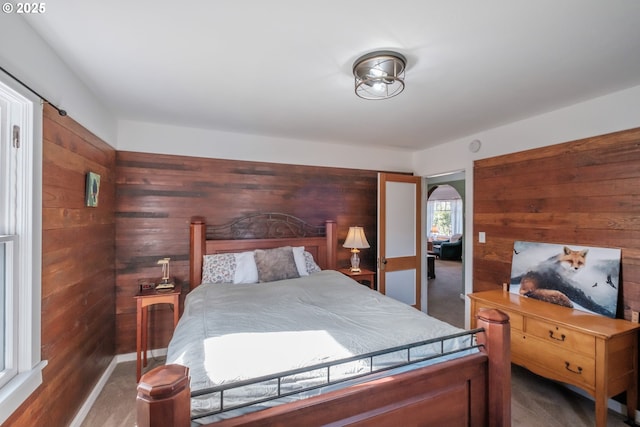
(441, 179)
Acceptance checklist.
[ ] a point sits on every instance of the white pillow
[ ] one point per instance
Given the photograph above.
(246, 269)
(298, 257)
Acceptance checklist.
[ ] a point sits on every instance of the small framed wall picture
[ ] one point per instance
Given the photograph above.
(93, 189)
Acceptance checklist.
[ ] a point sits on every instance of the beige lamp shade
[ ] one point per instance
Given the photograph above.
(355, 240)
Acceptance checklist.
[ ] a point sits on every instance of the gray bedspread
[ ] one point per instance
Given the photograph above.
(235, 332)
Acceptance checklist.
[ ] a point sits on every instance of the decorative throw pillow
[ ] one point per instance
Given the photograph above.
(310, 263)
(275, 264)
(218, 268)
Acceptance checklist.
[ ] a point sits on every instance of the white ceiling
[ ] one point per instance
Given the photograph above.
(284, 67)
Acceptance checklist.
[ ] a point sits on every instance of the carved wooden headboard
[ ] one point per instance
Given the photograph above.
(260, 231)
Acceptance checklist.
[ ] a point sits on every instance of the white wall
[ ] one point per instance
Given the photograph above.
(29, 58)
(606, 114)
(609, 113)
(167, 139)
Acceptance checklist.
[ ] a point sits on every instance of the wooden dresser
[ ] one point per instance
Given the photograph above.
(595, 353)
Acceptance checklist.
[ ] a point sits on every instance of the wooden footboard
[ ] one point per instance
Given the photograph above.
(473, 390)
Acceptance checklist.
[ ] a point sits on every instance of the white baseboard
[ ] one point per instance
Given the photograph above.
(97, 389)
(93, 396)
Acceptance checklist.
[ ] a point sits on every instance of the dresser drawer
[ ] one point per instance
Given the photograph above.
(561, 336)
(515, 319)
(553, 361)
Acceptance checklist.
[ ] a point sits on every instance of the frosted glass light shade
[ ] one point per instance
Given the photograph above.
(379, 75)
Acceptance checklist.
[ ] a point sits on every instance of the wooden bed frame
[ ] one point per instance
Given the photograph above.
(472, 390)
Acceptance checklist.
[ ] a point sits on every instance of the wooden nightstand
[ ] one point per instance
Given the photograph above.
(366, 277)
(144, 299)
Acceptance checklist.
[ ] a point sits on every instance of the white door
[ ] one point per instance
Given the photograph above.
(399, 237)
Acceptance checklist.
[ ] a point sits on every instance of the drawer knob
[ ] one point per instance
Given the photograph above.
(562, 337)
(567, 366)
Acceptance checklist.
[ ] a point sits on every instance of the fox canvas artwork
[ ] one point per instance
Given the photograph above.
(581, 277)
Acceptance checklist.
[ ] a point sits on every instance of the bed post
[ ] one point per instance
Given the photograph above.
(196, 250)
(497, 343)
(331, 229)
(164, 398)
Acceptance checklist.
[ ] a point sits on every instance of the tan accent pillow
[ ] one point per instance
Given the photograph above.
(275, 264)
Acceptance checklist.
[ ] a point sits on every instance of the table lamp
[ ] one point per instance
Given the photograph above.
(355, 240)
(165, 283)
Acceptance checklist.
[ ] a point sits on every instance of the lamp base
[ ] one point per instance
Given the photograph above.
(165, 285)
(355, 261)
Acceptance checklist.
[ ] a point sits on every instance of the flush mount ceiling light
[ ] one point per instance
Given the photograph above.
(379, 75)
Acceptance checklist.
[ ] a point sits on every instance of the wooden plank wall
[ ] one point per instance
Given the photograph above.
(158, 194)
(584, 192)
(78, 296)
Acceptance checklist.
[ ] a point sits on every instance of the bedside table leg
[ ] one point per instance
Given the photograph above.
(138, 340)
(145, 334)
(176, 311)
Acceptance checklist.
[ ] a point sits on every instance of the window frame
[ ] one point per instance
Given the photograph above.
(9, 325)
(22, 220)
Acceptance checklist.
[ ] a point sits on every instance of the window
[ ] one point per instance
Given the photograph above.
(20, 246)
(444, 212)
(442, 217)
